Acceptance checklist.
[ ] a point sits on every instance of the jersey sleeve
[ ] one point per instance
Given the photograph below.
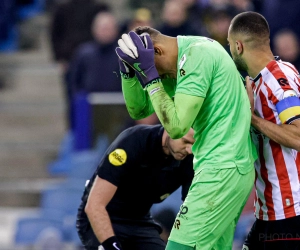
(176, 115)
(196, 69)
(137, 100)
(288, 109)
(119, 158)
(284, 94)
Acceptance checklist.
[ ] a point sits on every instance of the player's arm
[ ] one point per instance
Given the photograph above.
(136, 99)
(176, 116)
(112, 170)
(135, 96)
(103, 190)
(286, 134)
(100, 195)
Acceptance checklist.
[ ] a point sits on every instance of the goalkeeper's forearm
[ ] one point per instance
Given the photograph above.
(136, 98)
(176, 116)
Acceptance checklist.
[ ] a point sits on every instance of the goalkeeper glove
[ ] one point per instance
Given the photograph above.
(125, 70)
(139, 54)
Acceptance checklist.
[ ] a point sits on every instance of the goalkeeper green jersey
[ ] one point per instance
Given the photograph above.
(222, 125)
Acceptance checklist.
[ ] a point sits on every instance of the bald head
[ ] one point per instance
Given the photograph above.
(251, 27)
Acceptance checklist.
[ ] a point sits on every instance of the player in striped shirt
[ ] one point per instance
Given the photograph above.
(274, 91)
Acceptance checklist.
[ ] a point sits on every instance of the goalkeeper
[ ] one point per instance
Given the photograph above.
(191, 81)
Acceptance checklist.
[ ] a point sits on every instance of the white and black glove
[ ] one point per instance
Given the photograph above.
(127, 46)
(128, 54)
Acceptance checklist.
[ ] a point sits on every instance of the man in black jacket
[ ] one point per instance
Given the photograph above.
(141, 167)
(70, 27)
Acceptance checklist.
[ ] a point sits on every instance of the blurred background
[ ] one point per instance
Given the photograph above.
(61, 102)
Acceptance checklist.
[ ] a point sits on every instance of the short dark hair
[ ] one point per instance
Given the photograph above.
(146, 29)
(250, 23)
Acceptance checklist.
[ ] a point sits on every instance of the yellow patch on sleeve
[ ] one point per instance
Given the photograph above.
(118, 157)
(288, 113)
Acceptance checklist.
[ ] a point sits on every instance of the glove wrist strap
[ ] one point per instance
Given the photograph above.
(154, 81)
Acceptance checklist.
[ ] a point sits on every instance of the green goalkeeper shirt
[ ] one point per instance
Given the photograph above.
(205, 73)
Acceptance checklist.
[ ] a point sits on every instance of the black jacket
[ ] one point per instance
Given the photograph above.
(144, 175)
(71, 26)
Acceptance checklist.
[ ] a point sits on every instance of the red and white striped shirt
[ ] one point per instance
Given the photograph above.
(278, 167)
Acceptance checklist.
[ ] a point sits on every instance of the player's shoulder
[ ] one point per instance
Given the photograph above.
(142, 129)
(139, 140)
(141, 132)
(289, 71)
(189, 42)
(279, 74)
(195, 47)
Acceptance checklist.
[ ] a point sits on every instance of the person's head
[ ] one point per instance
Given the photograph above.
(286, 45)
(217, 24)
(248, 33)
(189, 3)
(165, 51)
(141, 17)
(243, 5)
(178, 148)
(105, 28)
(218, 4)
(174, 13)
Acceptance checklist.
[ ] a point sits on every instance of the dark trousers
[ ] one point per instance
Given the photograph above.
(131, 234)
(149, 239)
(273, 235)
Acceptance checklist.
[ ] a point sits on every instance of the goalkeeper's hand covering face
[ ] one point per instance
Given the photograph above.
(138, 52)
